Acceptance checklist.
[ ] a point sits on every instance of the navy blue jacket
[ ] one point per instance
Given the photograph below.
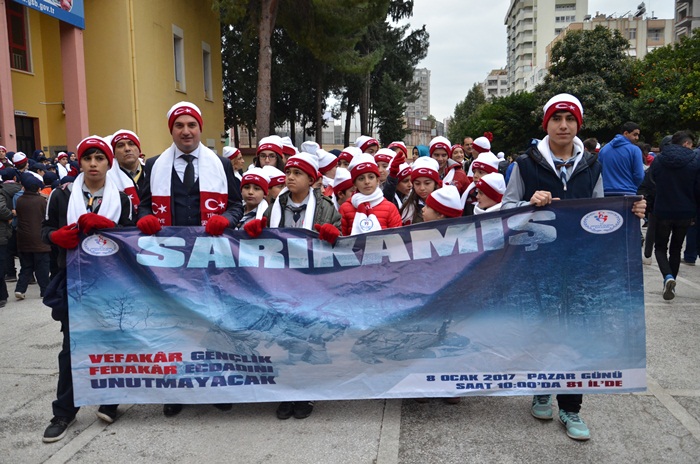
(676, 173)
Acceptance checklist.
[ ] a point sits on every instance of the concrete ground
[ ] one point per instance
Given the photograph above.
(660, 425)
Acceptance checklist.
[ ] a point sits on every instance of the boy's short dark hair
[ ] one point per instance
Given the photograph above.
(681, 137)
(590, 144)
(629, 126)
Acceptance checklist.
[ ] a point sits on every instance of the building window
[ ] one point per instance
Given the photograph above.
(655, 34)
(632, 34)
(565, 19)
(179, 58)
(17, 36)
(568, 6)
(206, 66)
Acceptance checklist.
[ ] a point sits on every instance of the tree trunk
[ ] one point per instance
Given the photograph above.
(264, 91)
(364, 107)
(318, 124)
(236, 136)
(349, 111)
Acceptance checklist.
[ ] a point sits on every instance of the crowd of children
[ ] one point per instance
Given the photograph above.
(359, 189)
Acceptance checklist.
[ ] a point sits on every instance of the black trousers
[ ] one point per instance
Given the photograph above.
(668, 256)
(570, 403)
(63, 405)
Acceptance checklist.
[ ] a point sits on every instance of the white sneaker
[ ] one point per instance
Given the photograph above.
(19, 296)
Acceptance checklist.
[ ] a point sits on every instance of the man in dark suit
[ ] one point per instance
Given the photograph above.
(188, 185)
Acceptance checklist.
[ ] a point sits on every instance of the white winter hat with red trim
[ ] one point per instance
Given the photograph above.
(446, 201)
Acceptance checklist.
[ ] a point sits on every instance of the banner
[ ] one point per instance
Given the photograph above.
(69, 11)
(525, 301)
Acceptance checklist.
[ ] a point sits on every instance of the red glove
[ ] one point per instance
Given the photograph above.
(255, 227)
(327, 232)
(66, 237)
(90, 221)
(398, 160)
(216, 225)
(149, 225)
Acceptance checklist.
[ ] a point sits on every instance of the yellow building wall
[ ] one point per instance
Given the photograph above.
(129, 62)
(130, 67)
(38, 92)
(108, 70)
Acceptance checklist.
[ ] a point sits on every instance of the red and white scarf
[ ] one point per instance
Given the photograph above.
(213, 185)
(124, 183)
(365, 220)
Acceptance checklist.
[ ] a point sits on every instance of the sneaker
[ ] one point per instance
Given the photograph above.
(303, 409)
(542, 407)
(19, 295)
(688, 262)
(11, 278)
(57, 429)
(576, 428)
(646, 261)
(669, 287)
(107, 412)
(3, 303)
(285, 410)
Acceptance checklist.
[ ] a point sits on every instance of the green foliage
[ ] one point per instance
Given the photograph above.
(594, 66)
(601, 51)
(667, 84)
(464, 110)
(513, 120)
(390, 107)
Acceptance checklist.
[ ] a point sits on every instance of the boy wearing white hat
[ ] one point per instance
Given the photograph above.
(559, 167)
(489, 193)
(299, 205)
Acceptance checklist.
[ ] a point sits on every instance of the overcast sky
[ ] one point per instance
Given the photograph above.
(468, 40)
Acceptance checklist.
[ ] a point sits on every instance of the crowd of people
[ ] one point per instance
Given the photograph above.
(359, 189)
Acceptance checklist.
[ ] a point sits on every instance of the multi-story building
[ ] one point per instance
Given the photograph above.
(687, 17)
(644, 35)
(420, 108)
(496, 84)
(531, 25)
(103, 66)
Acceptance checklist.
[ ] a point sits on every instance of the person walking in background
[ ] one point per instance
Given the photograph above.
(676, 173)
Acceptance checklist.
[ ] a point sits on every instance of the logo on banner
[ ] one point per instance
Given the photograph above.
(601, 222)
(98, 245)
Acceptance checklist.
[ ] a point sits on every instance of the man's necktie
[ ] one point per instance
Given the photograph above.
(188, 178)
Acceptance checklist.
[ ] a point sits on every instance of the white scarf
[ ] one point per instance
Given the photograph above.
(262, 207)
(276, 213)
(467, 192)
(490, 209)
(61, 170)
(124, 183)
(111, 206)
(449, 176)
(364, 223)
(213, 185)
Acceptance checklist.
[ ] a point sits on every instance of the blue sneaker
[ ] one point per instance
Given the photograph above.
(541, 407)
(575, 427)
(669, 287)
